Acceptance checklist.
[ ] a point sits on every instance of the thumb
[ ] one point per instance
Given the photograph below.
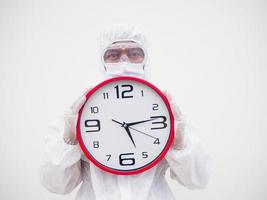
(79, 103)
(175, 109)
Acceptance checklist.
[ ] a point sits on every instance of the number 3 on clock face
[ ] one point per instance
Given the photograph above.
(125, 126)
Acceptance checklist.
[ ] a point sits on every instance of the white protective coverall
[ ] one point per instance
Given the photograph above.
(65, 166)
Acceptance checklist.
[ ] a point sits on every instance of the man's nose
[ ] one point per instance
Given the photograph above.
(124, 58)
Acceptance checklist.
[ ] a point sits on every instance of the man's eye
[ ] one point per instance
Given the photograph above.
(113, 56)
(136, 53)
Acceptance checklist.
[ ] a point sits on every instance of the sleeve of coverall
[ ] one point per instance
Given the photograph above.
(61, 168)
(191, 165)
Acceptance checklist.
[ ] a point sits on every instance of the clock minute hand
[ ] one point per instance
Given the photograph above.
(139, 122)
(129, 134)
(125, 126)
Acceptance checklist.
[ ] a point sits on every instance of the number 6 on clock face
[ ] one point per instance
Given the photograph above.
(125, 126)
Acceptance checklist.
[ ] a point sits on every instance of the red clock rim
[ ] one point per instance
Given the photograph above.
(154, 162)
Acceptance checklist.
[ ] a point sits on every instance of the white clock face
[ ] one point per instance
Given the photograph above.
(125, 126)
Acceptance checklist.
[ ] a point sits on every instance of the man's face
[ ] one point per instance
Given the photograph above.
(124, 51)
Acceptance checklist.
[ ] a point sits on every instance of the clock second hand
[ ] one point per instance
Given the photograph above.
(143, 133)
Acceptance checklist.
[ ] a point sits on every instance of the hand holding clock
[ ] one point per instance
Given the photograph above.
(70, 116)
(179, 121)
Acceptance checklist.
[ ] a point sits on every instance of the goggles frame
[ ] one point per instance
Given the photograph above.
(123, 44)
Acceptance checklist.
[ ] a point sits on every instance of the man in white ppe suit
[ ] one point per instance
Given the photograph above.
(123, 53)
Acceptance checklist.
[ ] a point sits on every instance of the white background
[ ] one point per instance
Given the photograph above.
(211, 55)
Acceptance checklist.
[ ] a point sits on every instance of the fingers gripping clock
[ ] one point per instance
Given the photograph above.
(126, 125)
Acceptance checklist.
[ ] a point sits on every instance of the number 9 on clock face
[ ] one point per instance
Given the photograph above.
(125, 126)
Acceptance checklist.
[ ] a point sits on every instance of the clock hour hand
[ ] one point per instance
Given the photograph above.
(139, 122)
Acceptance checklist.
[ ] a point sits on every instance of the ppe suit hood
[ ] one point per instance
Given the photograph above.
(119, 33)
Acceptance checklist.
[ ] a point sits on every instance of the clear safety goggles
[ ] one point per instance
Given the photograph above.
(129, 52)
